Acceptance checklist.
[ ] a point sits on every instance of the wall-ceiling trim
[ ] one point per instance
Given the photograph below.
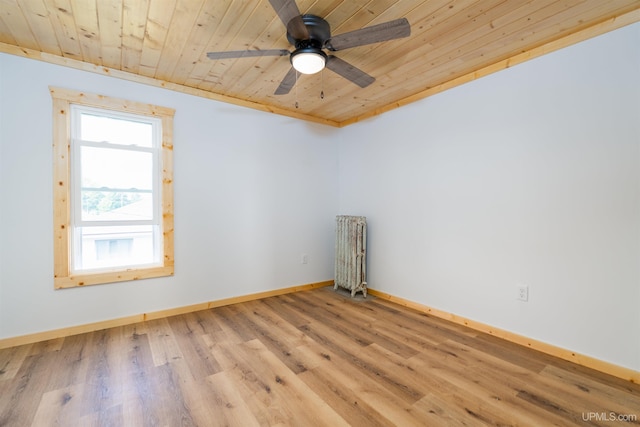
(571, 39)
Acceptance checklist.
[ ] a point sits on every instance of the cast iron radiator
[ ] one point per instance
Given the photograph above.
(351, 254)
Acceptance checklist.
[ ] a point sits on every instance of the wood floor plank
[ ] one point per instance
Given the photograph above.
(360, 399)
(372, 394)
(170, 405)
(357, 324)
(203, 322)
(103, 383)
(272, 387)
(441, 411)
(513, 353)
(282, 305)
(309, 408)
(562, 399)
(233, 327)
(344, 399)
(164, 347)
(280, 340)
(566, 396)
(11, 360)
(627, 397)
(60, 407)
(228, 406)
(271, 319)
(482, 396)
(188, 334)
(501, 383)
(72, 361)
(350, 350)
(111, 417)
(435, 326)
(152, 396)
(19, 403)
(316, 357)
(47, 346)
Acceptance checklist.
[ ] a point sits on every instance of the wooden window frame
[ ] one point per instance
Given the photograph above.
(62, 101)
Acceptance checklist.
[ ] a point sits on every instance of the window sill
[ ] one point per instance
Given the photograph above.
(111, 277)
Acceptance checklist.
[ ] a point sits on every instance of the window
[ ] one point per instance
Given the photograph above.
(113, 194)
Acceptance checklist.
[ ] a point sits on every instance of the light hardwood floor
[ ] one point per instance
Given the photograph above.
(311, 358)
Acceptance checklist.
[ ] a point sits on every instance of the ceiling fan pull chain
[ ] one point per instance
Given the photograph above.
(322, 85)
(296, 86)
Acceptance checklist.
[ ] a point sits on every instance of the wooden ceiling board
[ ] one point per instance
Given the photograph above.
(270, 37)
(109, 23)
(165, 42)
(86, 24)
(468, 50)
(35, 13)
(15, 21)
(156, 30)
(5, 33)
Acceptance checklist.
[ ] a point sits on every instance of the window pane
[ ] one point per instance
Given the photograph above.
(116, 206)
(110, 249)
(107, 247)
(116, 131)
(110, 168)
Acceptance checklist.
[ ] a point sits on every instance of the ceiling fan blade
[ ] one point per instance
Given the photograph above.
(349, 72)
(287, 82)
(375, 34)
(247, 53)
(291, 17)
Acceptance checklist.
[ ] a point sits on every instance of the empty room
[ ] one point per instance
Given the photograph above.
(295, 213)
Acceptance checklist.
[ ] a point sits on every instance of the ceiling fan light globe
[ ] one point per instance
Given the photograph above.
(308, 62)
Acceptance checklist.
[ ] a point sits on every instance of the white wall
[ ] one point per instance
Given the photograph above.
(253, 191)
(528, 176)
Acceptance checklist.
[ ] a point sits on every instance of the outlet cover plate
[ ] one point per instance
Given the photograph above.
(523, 293)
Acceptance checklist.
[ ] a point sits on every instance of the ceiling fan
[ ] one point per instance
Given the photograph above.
(311, 35)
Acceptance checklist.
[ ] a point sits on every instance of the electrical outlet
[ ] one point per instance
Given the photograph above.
(523, 293)
(304, 259)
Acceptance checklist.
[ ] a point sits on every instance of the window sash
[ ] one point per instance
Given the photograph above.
(82, 265)
(79, 109)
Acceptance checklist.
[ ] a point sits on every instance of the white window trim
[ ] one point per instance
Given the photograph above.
(62, 101)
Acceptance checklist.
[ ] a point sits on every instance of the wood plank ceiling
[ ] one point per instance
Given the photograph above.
(164, 43)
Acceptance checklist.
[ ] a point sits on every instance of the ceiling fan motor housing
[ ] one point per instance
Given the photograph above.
(319, 32)
(311, 47)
